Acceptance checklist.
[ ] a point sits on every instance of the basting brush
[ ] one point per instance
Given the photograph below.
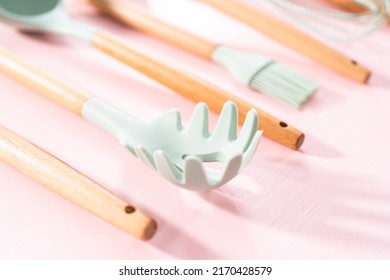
(291, 37)
(258, 72)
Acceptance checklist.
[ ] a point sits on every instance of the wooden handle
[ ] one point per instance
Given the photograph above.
(67, 182)
(42, 82)
(137, 17)
(292, 38)
(197, 90)
(349, 5)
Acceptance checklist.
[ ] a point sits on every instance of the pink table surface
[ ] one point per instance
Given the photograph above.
(331, 199)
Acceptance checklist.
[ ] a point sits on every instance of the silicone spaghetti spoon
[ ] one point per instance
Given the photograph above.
(50, 16)
(175, 152)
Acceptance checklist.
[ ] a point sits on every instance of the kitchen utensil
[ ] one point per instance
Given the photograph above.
(259, 72)
(359, 6)
(357, 20)
(50, 16)
(293, 38)
(175, 152)
(72, 185)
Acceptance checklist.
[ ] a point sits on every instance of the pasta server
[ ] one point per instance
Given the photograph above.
(50, 16)
(175, 152)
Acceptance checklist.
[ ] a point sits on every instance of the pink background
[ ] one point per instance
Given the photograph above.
(329, 200)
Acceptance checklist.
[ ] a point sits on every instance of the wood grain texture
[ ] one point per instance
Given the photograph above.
(197, 90)
(69, 183)
(42, 82)
(331, 200)
(139, 18)
(292, 38)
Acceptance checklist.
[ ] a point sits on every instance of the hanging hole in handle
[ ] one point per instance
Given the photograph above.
(354, 62)
(283, 124)
(129, 209)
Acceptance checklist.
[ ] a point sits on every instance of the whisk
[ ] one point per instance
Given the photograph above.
(291, 37)
(359, 18)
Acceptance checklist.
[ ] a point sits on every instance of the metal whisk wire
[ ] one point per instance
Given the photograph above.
(336, 24)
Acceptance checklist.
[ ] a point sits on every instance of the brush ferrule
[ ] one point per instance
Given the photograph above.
(242, 65)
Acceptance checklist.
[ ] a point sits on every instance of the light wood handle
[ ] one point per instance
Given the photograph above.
(197, 90)
(349, 5)
(137, 17)
(42, 82)
(292, 38)
(69, 183)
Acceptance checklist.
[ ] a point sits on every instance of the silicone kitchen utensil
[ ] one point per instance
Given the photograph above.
(49, 16)
(259, 72)
(177, 153)
(377, 9)
(75, 187)
(364, 17)
(361, 6)
(293, 38)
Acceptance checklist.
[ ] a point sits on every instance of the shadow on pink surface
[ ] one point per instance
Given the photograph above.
(178, 244)
(324, 206)
(318, 148)
(284, 200)
(380, 80)
(46, 38)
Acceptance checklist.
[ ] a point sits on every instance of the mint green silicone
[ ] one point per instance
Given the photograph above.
(266, 75)
(178, 153)
(43, 16)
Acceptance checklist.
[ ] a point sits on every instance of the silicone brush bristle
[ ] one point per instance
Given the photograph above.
(284, 84)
